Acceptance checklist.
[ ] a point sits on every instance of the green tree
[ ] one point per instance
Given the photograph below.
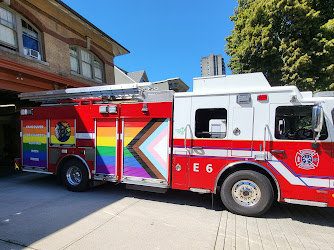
(290, 41)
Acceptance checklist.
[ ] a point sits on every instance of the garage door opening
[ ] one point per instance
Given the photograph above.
(10, 106)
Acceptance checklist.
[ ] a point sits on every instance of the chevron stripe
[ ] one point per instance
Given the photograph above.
(132, 148)
(106, 147)
(148, 148)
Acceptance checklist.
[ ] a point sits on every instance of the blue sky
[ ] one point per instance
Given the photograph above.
(167, 38)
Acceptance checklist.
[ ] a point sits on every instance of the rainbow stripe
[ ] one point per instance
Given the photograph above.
(106, 147)
(34, 149)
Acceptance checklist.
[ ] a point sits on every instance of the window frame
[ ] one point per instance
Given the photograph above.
(200, 119)
(80, 61)
(279, 137)
(19, 36)
(14, 29)
(38, 39)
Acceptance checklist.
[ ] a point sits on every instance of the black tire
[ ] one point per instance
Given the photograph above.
(75, 176)
(247, 192)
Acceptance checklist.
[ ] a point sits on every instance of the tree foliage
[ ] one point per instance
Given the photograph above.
(290, 41)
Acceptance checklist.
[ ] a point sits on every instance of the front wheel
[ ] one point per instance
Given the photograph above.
(75, 175)
(247, 193)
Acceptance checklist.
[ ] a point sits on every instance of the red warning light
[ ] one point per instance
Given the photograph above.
(262, 98)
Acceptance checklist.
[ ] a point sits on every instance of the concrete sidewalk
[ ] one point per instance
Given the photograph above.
(36, 213)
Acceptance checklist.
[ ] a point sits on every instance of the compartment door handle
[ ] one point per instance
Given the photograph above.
(278, 151)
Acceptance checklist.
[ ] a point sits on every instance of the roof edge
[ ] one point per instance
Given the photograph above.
(90, 24)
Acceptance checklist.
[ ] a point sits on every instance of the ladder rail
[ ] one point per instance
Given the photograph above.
(111, 91)
(108, 92)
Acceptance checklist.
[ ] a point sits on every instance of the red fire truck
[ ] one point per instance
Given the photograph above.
(233, 135)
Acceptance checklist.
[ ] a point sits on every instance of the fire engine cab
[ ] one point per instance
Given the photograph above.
(233, 135)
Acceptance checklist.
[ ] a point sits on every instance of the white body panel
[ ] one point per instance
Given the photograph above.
(230, 82)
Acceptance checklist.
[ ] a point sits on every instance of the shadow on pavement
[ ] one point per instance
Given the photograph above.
(305, 214)
(34, 206)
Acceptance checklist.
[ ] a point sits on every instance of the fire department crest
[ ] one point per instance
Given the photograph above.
(307, 159)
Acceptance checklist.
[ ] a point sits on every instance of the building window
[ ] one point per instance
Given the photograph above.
(7, 29)
(30, 38)
(98, 69)
(18, 34)
(85, 63)
(74, 60)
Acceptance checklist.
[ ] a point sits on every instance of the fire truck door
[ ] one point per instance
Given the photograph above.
(209, 143)
(35, 144)
(241, 131)
(303, 169)
(181, 142)
(106, 147)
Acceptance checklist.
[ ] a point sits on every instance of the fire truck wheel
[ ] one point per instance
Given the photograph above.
(75, 176)
(247, 193)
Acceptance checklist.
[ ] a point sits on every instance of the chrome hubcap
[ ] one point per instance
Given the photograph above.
(246, 193)
(73, 175)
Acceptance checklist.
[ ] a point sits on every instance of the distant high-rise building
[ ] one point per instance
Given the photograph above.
(213, 65)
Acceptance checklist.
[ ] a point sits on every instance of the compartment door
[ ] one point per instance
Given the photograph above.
(106, 147)
(242, 132)
(146, 149)
(34, 144)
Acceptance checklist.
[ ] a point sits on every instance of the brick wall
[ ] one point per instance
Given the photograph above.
(59, 30)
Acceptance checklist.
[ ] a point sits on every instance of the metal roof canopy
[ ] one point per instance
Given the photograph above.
(123, 91)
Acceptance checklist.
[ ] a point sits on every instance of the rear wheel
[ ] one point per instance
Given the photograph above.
(247, 192)
(75, 175)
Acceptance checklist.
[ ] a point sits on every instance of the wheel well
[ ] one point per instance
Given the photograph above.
(247, 166)
(67, 158)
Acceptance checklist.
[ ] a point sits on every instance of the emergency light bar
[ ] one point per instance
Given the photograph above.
(111, 109)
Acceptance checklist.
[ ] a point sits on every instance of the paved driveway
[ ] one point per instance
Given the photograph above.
(36, 213)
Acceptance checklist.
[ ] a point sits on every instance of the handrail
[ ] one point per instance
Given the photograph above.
(185, 138)
(265, 141)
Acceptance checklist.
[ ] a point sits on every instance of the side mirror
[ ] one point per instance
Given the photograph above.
(317, 120)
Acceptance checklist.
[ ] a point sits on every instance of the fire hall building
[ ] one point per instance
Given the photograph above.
(46, 45)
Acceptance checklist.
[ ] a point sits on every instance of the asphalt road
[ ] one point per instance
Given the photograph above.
(37, 213)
